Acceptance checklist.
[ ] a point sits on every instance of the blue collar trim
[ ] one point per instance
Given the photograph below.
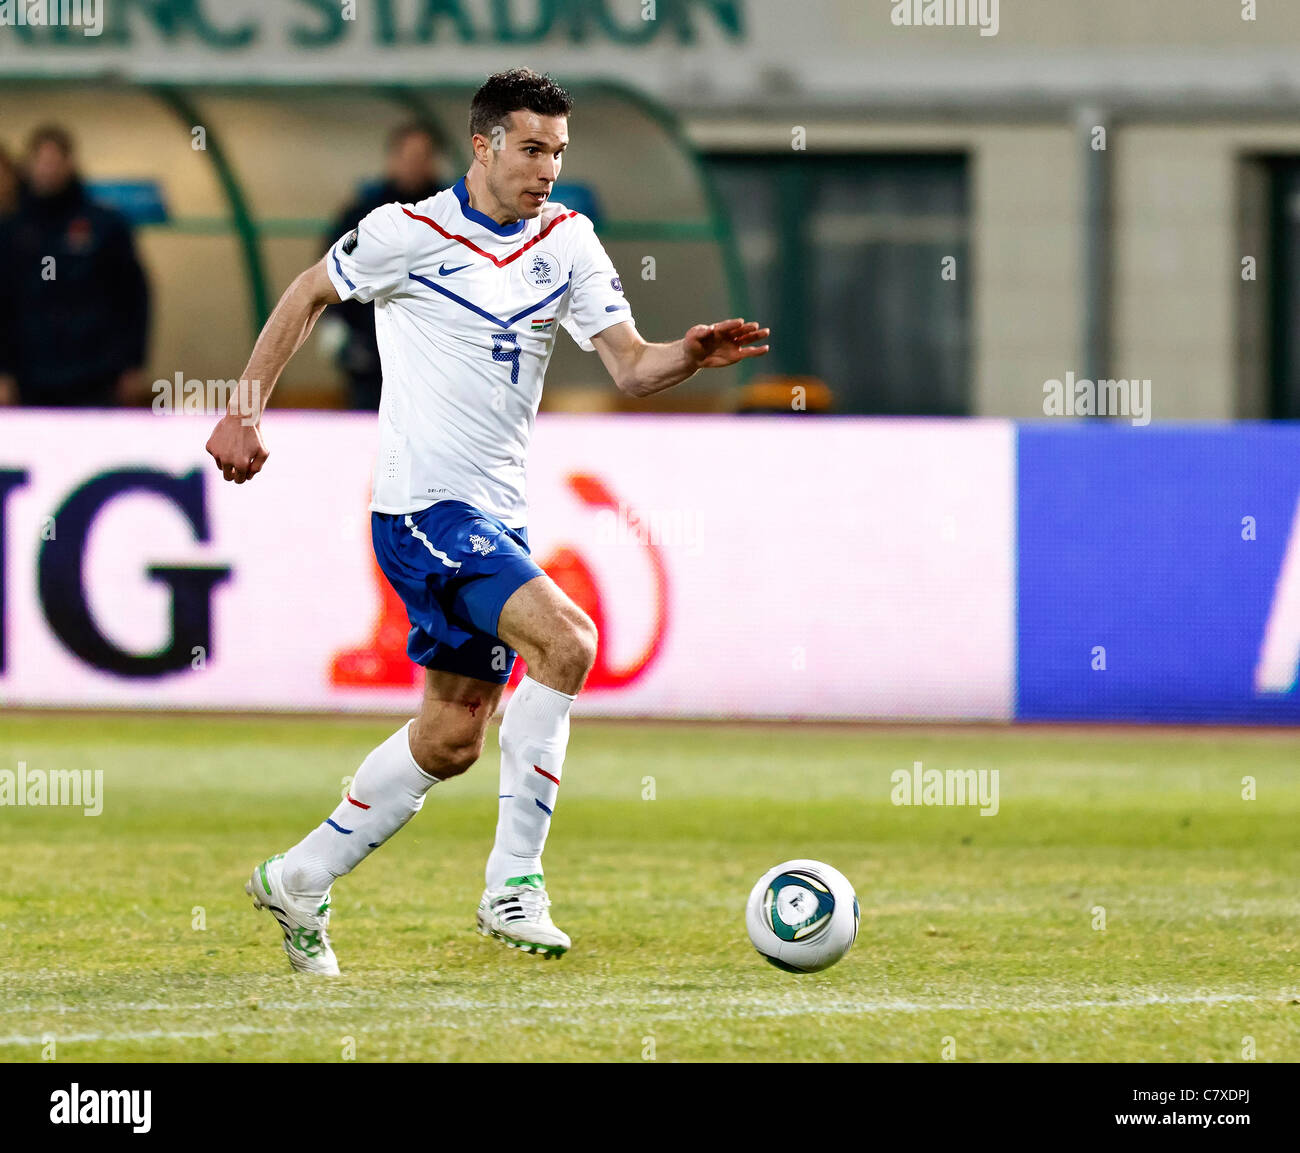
(462, 194)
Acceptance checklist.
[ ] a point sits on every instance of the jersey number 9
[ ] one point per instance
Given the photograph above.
(505, 348)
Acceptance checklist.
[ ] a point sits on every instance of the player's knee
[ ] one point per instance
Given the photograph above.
(574, 647)
(566, 652)
(453, 758)
(457, 758)
(444, 755)
(588, 643)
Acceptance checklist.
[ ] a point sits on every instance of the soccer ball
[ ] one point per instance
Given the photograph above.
(802, 916)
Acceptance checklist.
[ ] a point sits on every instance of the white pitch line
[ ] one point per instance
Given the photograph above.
(703, 1009)
(474, 1004)
(146, 1035)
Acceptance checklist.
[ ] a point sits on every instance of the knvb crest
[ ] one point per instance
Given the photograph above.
(542, 271)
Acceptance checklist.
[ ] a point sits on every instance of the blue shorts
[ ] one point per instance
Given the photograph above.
(454, 568)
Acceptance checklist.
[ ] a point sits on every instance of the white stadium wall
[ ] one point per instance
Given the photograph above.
(738, 53)
(757, 567)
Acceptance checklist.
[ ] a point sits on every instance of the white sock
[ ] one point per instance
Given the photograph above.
(387, 791)
(534, 736)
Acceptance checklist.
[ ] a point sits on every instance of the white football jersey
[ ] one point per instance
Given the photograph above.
(466, 314)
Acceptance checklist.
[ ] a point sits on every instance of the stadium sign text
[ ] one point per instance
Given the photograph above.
(124, 552)
(61, 566)
(321, 24)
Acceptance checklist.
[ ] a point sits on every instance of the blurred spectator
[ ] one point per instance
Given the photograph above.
(11, 184)
(414, 161)
(74, 303)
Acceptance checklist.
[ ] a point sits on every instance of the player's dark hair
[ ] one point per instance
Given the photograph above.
(520, 89)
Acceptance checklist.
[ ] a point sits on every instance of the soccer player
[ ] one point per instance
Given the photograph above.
(468, 287)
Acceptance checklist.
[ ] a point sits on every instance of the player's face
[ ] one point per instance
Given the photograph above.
(523, 170)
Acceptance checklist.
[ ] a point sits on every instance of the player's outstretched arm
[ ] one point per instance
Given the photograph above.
(236, 443)
(642, 369)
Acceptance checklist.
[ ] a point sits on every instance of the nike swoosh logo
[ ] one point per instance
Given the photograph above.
(443, 270)
(615, 307)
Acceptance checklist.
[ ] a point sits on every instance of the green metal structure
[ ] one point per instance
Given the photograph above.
(251, 231)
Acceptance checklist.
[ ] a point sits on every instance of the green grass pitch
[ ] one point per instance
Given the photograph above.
(978, 941)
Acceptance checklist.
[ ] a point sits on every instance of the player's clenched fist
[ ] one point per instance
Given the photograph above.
(237, 448)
